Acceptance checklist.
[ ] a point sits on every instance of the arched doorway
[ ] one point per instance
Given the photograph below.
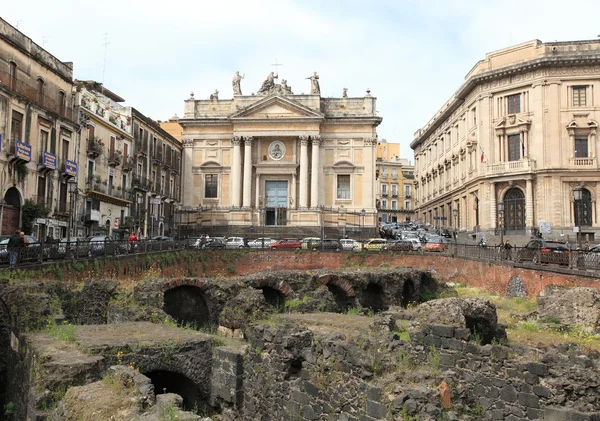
(188, 305)
(583, 209)
(514, 211)
(11, 211)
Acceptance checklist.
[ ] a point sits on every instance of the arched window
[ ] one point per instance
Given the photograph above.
(39, 85)
(583, 209)
(13, 74)
(61, 102)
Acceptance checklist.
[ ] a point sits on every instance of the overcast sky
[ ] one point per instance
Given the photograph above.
(412, 54)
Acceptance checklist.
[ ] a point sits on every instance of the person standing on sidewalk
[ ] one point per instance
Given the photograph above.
(14, 246)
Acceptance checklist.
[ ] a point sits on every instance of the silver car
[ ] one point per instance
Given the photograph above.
(260, 243)
(235, 243)
(348, 244)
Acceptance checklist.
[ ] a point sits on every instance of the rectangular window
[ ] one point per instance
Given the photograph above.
(384, 204)
(211, 182)
(514, 104)
(384, 189)
(407, 190)
(112, 145)
(407, 205)
(343, 186)
(394, 173)
(394, 190)
(394, 204)
(579, 99)
(581, 147)
(43, 142)
(474, 113)
(514, 147)
(16, 125)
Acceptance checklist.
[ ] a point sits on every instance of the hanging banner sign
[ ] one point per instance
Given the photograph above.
(49, 160)
(71, 167)
(23, 151)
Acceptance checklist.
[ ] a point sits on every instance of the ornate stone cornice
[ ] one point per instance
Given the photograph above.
(370, 141)
(188, 143)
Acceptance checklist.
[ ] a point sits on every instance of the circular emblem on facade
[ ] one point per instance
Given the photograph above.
(276, 150)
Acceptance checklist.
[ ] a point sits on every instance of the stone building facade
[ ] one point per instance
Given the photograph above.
(156, 178)
(395, 177)
(104, 194)
(514, 145)
(38, 134)
(278, 159)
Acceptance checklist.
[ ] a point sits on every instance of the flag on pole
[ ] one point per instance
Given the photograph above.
(482, 155)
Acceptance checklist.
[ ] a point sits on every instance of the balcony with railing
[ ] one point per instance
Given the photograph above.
(115, 158)
(92, 215)
(95, 147)
(105, 192)
(128, 163)
(140, 183)
(31, 93)
(157, 157)
(506, 167)
(587, 162)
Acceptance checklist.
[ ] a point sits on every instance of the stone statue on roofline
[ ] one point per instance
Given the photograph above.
(269, 83)
(215, 95)
(236, 83)
(314, 84)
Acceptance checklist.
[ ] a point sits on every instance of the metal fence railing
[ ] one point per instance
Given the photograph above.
(83, 248)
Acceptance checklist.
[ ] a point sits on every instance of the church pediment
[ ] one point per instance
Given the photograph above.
(274, 107)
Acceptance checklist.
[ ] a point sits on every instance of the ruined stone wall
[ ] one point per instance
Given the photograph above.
(289, 373)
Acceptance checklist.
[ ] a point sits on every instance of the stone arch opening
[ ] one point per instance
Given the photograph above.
(294, 368)
(11, 211)
(514, 211)
(188, 305)
(480, 328)
(373, 298)
(273, 296)
(171, 382)
(408, 293)
(342, 300)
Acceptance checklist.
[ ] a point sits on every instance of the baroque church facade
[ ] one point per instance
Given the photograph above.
(279, 159)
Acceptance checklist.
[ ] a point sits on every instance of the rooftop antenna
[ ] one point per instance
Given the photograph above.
(106, 42)
(18, 22)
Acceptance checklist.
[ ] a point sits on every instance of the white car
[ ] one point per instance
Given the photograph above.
(260, 243)
(235, 243)
(416, 244)
(348, 243)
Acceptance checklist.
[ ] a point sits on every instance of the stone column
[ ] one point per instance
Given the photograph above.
(316, 171)
(593, 143)
(493, 208)
(369, 174)
(528, 204)
(247, 202)
(236, 172)
(303, 172)
(572, 142)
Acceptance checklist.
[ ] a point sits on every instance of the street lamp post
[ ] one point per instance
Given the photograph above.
(73, 192)
(455, 215)
(343, 216)
(577, 198)
(501, 217)
(363, 213)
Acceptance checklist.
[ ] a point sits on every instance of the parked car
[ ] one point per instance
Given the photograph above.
(348, 243)
(372, 244)
(236, 243)
(195, 243)
(214, 243)
(306, 243)
(590, 259)
(543, 251)
(438, 244)
(30, 253)
(73, 247)
(398, 245)
(286, 243)
(326, 244)
(260, 243)
(105, 246)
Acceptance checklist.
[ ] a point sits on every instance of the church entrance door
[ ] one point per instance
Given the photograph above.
(277, 202)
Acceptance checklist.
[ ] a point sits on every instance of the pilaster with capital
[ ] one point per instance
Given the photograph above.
(493, 209)
(187, 181)
(369, 174)
(303, 199)
(528, 203)
(247, 199)
(236, 172)
(316, 171)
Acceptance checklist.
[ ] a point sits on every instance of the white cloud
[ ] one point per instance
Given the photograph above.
(412, 54)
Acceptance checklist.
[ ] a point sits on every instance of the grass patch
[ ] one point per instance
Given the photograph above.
(65, 331)
(293, 304)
